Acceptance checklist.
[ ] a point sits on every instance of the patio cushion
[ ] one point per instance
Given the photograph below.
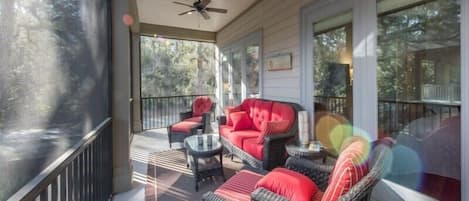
(251, 146)
(201, 105)
(237, 137)
(272, 128)
(290, 184)
(241, 121)
(184, 126)
(350, 167)
(225, 130)
(248, 106)
(194, 119)
(261, 112)
(228, 111)
(240, 186)
(282, 111)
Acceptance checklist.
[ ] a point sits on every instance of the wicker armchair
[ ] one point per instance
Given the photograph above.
(378, 161)
(319, 173)
(191, 121)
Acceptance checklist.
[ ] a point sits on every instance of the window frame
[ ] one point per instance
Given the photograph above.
(241, 45)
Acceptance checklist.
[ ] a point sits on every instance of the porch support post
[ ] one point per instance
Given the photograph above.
(121, 63)
(464, 99)
(365, 97)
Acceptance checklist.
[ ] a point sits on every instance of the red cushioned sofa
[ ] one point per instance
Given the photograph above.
(257, 139)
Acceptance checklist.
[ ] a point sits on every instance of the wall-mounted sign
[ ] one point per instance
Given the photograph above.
(279, 62)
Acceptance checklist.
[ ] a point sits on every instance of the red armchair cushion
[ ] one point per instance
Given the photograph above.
(241, 121)
(240, 186)
(351, 166)
(184, 126)
(194, 119)
(228, 112)
(272, 128)
(289, 184)
(201, 104)
(261, 112)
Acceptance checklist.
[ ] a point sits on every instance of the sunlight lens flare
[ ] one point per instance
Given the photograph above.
(128, 20)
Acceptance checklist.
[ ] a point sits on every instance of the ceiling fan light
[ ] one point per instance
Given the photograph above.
(189, 13)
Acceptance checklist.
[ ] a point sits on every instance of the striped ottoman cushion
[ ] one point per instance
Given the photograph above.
(240, 186)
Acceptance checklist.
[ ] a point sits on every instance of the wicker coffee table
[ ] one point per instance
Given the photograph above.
(202, 157)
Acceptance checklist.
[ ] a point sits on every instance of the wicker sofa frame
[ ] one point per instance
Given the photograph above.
(274, 145)
(204, 125)
(319, 173)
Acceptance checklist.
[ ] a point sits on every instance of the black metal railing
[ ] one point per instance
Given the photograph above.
(84, 172)
(160, 112)
(394, 115)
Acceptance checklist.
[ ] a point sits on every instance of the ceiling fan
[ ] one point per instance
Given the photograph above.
(201, 7)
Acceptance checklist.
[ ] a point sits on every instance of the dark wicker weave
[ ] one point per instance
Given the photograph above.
(274, 145)
(210, 196)
(262, 194)
(204, 125)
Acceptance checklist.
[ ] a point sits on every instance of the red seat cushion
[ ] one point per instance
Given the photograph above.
(241, 121)
(289, 184)
(184, 126)
(240, 186)
(201, 104)
(228, 111)
(272, 128)
(225, 130)
(238, 137)
(194, 119)
(351, 166)
(282, 111)
(261, 112)
(251, 147)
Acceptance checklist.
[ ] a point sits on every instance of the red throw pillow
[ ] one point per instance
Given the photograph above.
(228, 111)
(272, 128)
(289, 184)
(241, 121)
(350, 168)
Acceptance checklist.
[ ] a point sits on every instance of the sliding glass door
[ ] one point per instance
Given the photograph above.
(240, 70)
(419, 93)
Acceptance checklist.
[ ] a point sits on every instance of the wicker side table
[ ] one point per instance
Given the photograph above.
(297, 150)
(208, 165)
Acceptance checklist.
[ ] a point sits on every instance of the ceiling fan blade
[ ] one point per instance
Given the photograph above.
(205, 15)
(217, 10)
(183, 4)
(204, 3)
(187, 12)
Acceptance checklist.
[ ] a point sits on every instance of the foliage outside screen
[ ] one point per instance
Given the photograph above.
(177, 67)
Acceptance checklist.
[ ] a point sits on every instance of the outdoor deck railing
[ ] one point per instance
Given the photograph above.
(160, 112)
(84, 172)
(394, 116)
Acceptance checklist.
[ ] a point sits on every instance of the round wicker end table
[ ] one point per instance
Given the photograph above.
(301, 151)
(201, 156)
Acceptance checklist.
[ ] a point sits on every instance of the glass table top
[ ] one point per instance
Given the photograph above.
(204, 145)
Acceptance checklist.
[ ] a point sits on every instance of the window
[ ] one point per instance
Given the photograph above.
(54, 85)
(240, 67)
(419, 93)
